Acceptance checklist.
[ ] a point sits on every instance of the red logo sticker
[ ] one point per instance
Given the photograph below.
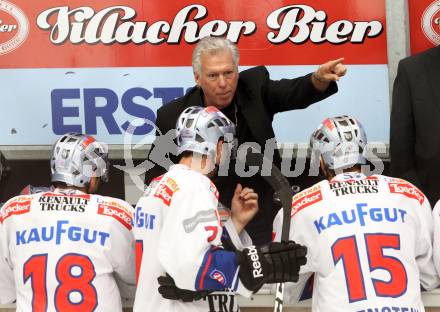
(20, 205)
(122, 216)
(408, 190)
(164, 193)
(305, 201)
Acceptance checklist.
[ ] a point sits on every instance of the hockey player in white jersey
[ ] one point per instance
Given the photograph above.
(436, 239)
(178, 230)
(66, 247)
(7, 288)
(369, 238)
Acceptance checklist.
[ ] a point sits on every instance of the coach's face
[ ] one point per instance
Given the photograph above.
(218, 78)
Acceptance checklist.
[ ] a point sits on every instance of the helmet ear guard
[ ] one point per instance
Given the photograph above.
(77, 158)
(341, 141)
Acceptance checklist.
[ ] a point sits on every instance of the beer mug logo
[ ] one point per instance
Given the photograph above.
(431, 22)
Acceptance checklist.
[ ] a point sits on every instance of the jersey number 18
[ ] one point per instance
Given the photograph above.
(74, 273)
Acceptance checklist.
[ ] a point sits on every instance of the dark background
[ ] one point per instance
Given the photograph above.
(37, 173)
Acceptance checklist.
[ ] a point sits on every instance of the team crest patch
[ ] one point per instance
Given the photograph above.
(218, 276)
(305, 199)
(407, 190)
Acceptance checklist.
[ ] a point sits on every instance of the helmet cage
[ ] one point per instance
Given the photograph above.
(199, 129)
(341, 141)
(76, 158)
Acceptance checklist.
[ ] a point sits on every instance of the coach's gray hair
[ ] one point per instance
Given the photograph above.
(212, 45)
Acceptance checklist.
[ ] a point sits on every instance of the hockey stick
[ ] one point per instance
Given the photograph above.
(281, 186)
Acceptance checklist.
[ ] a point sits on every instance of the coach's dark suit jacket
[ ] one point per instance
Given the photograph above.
(258, 99)
(415, 122)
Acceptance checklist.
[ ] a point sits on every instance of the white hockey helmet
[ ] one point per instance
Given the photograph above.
(76, 158)
(200, 128)
(341, 141)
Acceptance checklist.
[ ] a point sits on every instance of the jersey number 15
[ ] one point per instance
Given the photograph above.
(346, 250)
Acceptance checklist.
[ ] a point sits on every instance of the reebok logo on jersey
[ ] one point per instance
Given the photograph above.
(257, 270)
(305, 201)
(121, 215)
(20, 205)
(408, 190)
(218, 276)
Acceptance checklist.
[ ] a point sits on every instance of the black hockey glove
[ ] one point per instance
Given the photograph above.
(276, 262)
(169, 290)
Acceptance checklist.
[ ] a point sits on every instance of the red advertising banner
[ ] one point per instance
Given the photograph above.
(135, 33)
(424, 18)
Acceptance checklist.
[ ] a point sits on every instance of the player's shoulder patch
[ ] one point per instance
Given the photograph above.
(306, 198)
(16, 206)
(116, 209)
(405, 188)
(165, 189)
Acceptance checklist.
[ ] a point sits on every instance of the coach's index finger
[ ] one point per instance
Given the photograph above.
(333, 64)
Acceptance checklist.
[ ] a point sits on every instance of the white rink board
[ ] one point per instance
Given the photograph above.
(29, 118)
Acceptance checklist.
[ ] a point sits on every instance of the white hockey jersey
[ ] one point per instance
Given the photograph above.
(436, 239)
(369, 242)
(65, 248)
(7, 288)
(178, 231)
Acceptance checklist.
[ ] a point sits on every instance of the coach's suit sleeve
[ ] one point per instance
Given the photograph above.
(286, 94)
(402, 129)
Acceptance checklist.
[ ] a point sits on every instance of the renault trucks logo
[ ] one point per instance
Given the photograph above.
(14, 27)
(431, 22)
